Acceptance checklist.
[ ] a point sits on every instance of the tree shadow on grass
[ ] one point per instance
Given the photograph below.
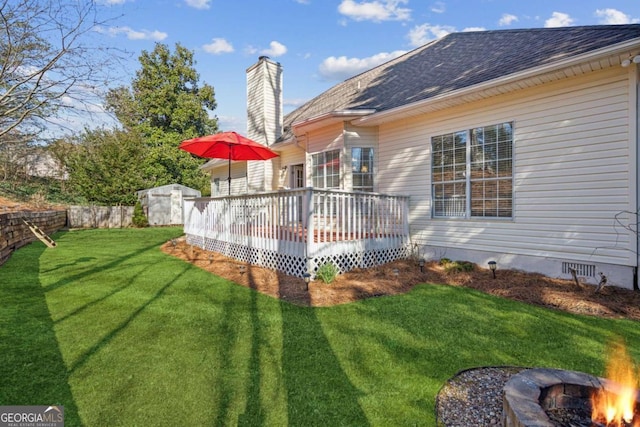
(94, 268)
(104, 341)
(31, 365)
(317, 391)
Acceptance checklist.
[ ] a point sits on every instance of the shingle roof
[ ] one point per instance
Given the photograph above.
(457, 61)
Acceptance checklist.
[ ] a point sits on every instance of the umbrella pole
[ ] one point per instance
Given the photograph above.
(229, 179)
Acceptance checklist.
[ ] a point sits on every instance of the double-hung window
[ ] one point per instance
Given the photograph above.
(362, 169)
(472, 173)
(325, 169)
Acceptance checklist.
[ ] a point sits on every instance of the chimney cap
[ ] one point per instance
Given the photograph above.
(263, 57)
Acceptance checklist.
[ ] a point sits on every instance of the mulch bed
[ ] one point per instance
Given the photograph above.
(610, 302)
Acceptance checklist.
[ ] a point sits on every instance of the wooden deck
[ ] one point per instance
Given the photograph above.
(278, 225)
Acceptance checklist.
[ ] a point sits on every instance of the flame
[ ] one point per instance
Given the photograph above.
(617, 407)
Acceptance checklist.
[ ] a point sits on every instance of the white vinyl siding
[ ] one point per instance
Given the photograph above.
(264, 101)
(264, 108)
(290, 156)
(238, 179)
(572, 158)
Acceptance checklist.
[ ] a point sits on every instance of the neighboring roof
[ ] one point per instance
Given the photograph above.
(458, 61)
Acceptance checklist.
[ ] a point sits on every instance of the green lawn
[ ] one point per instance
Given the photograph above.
(122, 334)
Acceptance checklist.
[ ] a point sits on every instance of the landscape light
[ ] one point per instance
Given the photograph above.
(492, 266)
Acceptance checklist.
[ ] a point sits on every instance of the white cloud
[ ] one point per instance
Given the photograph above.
(303, 1)
(228, 123)
(340, 68)
(132, 34)
(507, 19)
(558, 19)
(438, 7)
(218, 46)
(376, 11)
(425, 33)
(293, 102)
(198, 4)
(470, 29)
(275, 49)
(614, 17)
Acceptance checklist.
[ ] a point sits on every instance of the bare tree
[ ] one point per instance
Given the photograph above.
(51, 66)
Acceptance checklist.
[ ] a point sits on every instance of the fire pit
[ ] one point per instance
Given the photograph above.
(552, 397)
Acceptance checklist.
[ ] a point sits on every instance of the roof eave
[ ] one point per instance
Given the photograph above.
(612, 55)
(279, 145)
(214, 163)
(330, 118)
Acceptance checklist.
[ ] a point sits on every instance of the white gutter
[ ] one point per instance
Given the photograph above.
(386, 115)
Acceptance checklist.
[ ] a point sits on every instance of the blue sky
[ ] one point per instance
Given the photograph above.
(320, 42)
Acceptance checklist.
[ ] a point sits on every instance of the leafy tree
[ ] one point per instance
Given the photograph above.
(166, 105)
(48, 66)
(104, 165)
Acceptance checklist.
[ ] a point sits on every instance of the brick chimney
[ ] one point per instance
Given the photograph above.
(264, 119)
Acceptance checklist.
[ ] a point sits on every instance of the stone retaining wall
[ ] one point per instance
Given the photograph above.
(14, 233)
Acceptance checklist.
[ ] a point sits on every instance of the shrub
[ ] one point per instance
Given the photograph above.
(458, 266)
(327, 272)
(139, 220)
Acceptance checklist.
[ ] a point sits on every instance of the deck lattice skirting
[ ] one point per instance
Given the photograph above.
(295, 231)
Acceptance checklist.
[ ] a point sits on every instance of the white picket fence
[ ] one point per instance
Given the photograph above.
(297, 231)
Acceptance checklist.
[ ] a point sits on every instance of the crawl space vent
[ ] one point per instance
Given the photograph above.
(587, 270)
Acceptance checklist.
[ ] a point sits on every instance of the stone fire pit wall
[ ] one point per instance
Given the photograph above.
(527, 392)
(15, 234)
(530, 392)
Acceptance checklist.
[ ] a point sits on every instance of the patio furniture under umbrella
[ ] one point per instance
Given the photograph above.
(227, 145)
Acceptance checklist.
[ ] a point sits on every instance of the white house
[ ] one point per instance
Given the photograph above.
(519, 146)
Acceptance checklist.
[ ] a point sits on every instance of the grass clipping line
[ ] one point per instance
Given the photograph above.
(610, 302)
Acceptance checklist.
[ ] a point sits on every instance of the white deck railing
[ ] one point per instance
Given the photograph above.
(296, 231)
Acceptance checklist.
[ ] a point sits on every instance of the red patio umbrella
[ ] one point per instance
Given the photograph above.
(227, 145)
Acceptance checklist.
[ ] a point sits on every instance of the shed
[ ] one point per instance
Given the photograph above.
(163, 205)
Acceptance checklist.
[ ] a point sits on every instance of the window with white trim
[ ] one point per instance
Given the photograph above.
(325, 169)
(472, 173)
(362, 169)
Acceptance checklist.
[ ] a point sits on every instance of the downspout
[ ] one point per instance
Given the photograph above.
(635, 128)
